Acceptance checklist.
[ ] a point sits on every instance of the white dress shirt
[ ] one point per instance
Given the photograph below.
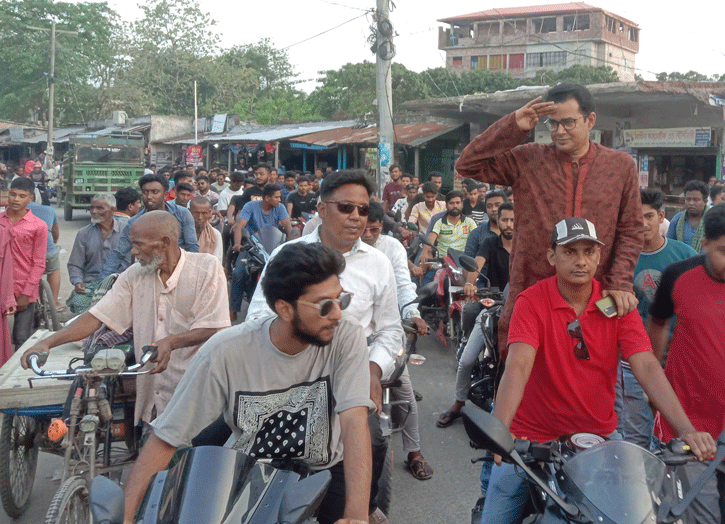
(369, 276)
(395, 252)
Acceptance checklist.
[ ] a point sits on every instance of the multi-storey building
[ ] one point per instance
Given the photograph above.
(524, 40)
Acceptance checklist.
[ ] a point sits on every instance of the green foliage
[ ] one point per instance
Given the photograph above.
(690, 76)
(350, 91)
(84, 67)
(580, 74)
(290, 106)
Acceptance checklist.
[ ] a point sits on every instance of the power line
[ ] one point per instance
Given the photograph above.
(323, 32)
(343, 5)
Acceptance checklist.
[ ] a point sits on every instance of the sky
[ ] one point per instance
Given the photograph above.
(671, 39)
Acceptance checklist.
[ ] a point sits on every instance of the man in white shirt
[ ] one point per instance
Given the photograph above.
(368, 275)
(395, 252)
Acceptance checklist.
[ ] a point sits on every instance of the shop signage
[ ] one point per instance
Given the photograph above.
(194, 155)
(676, 137)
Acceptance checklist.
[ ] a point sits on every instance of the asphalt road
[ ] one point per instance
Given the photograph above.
(446, 498)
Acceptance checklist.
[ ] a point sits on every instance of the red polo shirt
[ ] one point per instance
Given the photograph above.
(564, 394)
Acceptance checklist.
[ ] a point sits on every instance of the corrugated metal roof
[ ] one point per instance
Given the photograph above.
(58, 135)
(534, 10)
(255, 133)
(408, 134)
(271, 133)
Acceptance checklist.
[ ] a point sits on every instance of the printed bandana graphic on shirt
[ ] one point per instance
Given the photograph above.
(292, 423)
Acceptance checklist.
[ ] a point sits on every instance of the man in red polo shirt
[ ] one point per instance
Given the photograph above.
(562, 365)
(693, 289)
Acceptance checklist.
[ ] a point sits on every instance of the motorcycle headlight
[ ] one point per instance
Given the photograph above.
(88, 424)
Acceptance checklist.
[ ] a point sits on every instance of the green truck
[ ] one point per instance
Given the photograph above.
(100, 164)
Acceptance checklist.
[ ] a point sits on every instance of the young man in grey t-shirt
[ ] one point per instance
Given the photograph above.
(292, 385)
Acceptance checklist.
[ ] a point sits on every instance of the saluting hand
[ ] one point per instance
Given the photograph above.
(528, 116)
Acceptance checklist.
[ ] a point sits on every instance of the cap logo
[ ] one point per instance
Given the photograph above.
(577, 226)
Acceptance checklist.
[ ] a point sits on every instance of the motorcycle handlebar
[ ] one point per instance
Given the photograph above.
(36, 360)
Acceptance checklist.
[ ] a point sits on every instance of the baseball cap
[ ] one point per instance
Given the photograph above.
(572, 229)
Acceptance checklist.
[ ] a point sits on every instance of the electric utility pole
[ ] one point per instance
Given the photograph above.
(384, 52)
(51, 90)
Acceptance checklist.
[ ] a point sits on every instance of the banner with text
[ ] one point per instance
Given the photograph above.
(676, 137)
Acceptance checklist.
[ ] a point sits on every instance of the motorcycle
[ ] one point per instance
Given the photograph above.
(583, 478)
(488, 367)
(214, 485)
(256, 250)
(446, 313)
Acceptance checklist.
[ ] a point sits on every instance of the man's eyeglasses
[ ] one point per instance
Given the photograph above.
(324, 307)
(568, 123)
(348, 207)
(575, 331)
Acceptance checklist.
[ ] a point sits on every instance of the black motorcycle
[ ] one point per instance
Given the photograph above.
(586, 479)
(214, 485)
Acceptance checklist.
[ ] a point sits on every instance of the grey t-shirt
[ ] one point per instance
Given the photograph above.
(278, 405)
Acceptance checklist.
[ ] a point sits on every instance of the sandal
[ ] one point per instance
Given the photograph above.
(419, 468)
(447, 418)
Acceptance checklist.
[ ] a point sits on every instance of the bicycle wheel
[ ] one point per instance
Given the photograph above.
(46, 317)
(18, 462)
(71, 504)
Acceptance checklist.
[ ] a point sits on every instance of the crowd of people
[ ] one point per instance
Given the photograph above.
(563, 227)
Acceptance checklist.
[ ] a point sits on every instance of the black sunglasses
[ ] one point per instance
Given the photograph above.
(575, 331)
(348, 207)
(324, 307)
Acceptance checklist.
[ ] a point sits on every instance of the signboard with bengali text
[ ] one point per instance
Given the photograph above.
(195, 155)
(674, 137)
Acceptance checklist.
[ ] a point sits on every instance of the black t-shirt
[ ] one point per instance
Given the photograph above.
(497, 261)
(476, 212)
(238, 201)
(302, 204)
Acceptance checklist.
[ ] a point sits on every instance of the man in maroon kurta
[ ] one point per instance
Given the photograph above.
(572, 176)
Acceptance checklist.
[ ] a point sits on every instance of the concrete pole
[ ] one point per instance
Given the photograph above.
(384, 92)
(49, 150)
(416, 171)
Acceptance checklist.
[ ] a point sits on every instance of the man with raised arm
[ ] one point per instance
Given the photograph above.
(572, 176)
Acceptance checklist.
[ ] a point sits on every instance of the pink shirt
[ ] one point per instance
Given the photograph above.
(28, 246)
(195, 296)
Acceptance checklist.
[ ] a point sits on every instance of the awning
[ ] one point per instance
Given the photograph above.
(405, 134)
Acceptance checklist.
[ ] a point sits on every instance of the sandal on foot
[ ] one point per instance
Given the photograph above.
(419, 468)
(447, 418)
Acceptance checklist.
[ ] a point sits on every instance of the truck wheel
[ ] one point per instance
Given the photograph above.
(68, 212)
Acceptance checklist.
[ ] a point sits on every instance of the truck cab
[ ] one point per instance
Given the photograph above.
(101, 164)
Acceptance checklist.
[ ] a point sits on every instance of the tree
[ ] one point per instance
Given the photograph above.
(579, 74)
(350, 91)
(168, 49)
(85, 62)
(690, 76)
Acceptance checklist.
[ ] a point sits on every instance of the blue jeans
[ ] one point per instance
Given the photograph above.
(507, 493)
(239, 282)
(636, 421)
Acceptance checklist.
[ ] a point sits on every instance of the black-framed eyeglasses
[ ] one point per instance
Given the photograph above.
(324, 307)
(575, 331)
(348, 207)
(568, 123)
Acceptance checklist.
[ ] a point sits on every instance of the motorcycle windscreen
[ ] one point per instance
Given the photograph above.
(270, 237)
(617, 480)
(213, 485)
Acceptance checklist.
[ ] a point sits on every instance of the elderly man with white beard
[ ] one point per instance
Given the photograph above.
(174, 299)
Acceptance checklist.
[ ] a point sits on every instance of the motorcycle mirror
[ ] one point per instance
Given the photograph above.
(425, 240)
(468, 263)
(107, 503)
(301, 500)
(487, 431)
